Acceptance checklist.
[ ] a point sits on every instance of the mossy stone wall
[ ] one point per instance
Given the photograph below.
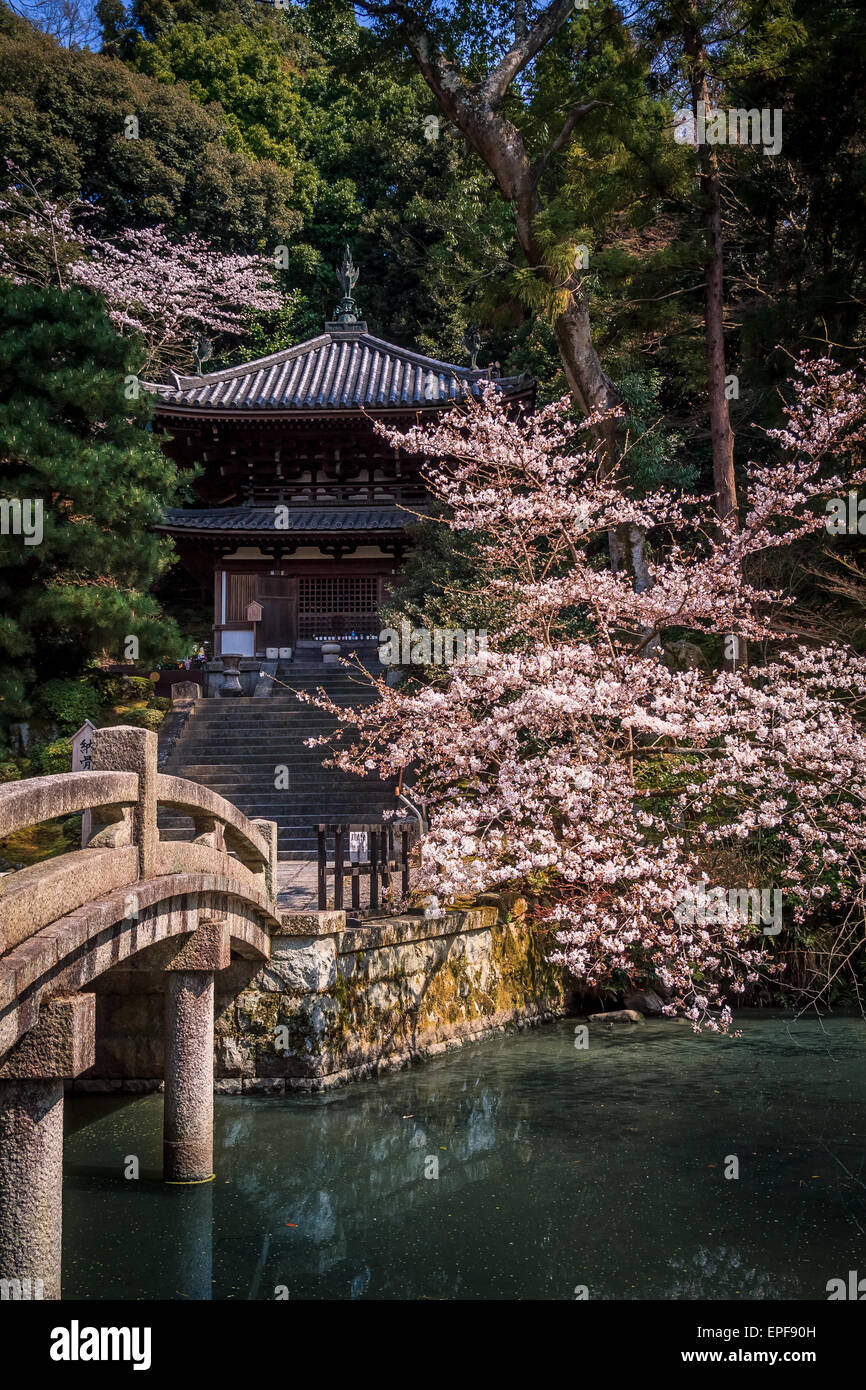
(338, 1001)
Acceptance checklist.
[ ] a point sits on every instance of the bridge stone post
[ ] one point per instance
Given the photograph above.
(125, 748)
(60, 1044)
(189, 1040)
(268, 830)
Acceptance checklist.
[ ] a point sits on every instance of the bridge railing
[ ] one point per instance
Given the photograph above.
(28, 803)
(122, 792)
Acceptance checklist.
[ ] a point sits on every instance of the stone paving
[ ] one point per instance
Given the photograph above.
(297, 885)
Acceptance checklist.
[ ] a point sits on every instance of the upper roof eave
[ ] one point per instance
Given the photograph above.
(210, 412)
(344, 372)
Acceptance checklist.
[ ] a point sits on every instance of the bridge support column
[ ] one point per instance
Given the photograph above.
(59, 1045)
(189, 1038)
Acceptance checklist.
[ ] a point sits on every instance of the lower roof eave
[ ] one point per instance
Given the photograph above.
(256, 537)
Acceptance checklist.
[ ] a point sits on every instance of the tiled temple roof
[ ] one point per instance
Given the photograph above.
(345, 368)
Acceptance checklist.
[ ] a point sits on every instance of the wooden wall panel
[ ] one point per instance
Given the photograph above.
(242, 591)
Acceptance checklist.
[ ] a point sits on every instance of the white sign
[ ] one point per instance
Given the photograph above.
(82, 759)
(357, 846)
(82, 747)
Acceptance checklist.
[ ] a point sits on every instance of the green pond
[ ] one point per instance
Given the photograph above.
(559, 1169)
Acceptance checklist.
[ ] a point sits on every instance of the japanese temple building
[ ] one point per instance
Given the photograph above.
(303, 509)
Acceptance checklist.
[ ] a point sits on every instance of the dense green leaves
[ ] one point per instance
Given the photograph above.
(261, 126)
(64, 119)
(76, 452)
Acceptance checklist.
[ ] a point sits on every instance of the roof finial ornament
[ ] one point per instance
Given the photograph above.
(203, 352)
(348, 272)
(472, 346)
(347, 275)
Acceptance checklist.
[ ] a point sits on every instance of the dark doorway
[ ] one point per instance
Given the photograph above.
(278, 595)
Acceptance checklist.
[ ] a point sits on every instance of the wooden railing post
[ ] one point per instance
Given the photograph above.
(388, 858)
(404, 849)
(322, 848)
(339, 856)
(124, 748)
(374, 869)
(356, 886)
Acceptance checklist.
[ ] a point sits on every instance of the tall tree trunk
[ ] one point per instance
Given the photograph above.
(714, 295)
(714, 317)
(722, 436)
(476, 111)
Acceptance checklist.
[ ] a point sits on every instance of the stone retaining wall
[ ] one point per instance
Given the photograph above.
(337, 1002)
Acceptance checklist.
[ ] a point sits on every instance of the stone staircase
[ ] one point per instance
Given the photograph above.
(238, 747)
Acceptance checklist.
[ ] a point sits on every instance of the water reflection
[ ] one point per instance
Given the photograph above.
(556, 1168)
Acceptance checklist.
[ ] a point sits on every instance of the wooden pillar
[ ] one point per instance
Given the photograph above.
(218, 619)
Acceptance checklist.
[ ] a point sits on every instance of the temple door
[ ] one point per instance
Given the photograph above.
(278, 595)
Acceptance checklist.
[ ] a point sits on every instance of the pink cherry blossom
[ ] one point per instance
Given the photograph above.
(576, 762)
(167, 289)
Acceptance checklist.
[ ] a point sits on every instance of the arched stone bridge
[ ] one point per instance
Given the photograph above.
(66, 921)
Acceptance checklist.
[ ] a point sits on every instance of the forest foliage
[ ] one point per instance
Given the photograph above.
(253, 126)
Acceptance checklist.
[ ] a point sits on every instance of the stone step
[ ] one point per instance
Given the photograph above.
(233, 747)
(287, 835)
(253, 720)
(308, 819)
(258, 746)
(240, 709)
(268, 709)
(358, 689)
(245, 761)
(241, 760)
(302, 825)
(301, 776)
(263, 771)
(260, 766)
(244, 703)
(335, 808)
(282, 729)
(295, 733)
(287, 797)
(285, 800)
(233, 733)
(302, 840)
(284, 804)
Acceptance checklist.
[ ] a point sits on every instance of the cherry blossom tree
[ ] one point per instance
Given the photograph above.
(576, 763)
(166, 290)
(169, 292)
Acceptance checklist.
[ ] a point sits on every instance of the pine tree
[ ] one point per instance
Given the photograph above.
(82, 482)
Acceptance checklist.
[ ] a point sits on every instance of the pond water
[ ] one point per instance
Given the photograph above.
(558, 1168)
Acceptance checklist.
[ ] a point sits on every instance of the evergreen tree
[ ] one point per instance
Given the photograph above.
(82, 483)
(84, 125)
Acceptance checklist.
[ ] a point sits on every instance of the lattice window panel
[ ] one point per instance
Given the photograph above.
(338, 604)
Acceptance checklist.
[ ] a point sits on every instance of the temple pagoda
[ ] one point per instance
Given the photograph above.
(303, 509)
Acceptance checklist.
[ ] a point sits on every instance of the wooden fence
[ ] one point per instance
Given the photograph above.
(378, 853)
